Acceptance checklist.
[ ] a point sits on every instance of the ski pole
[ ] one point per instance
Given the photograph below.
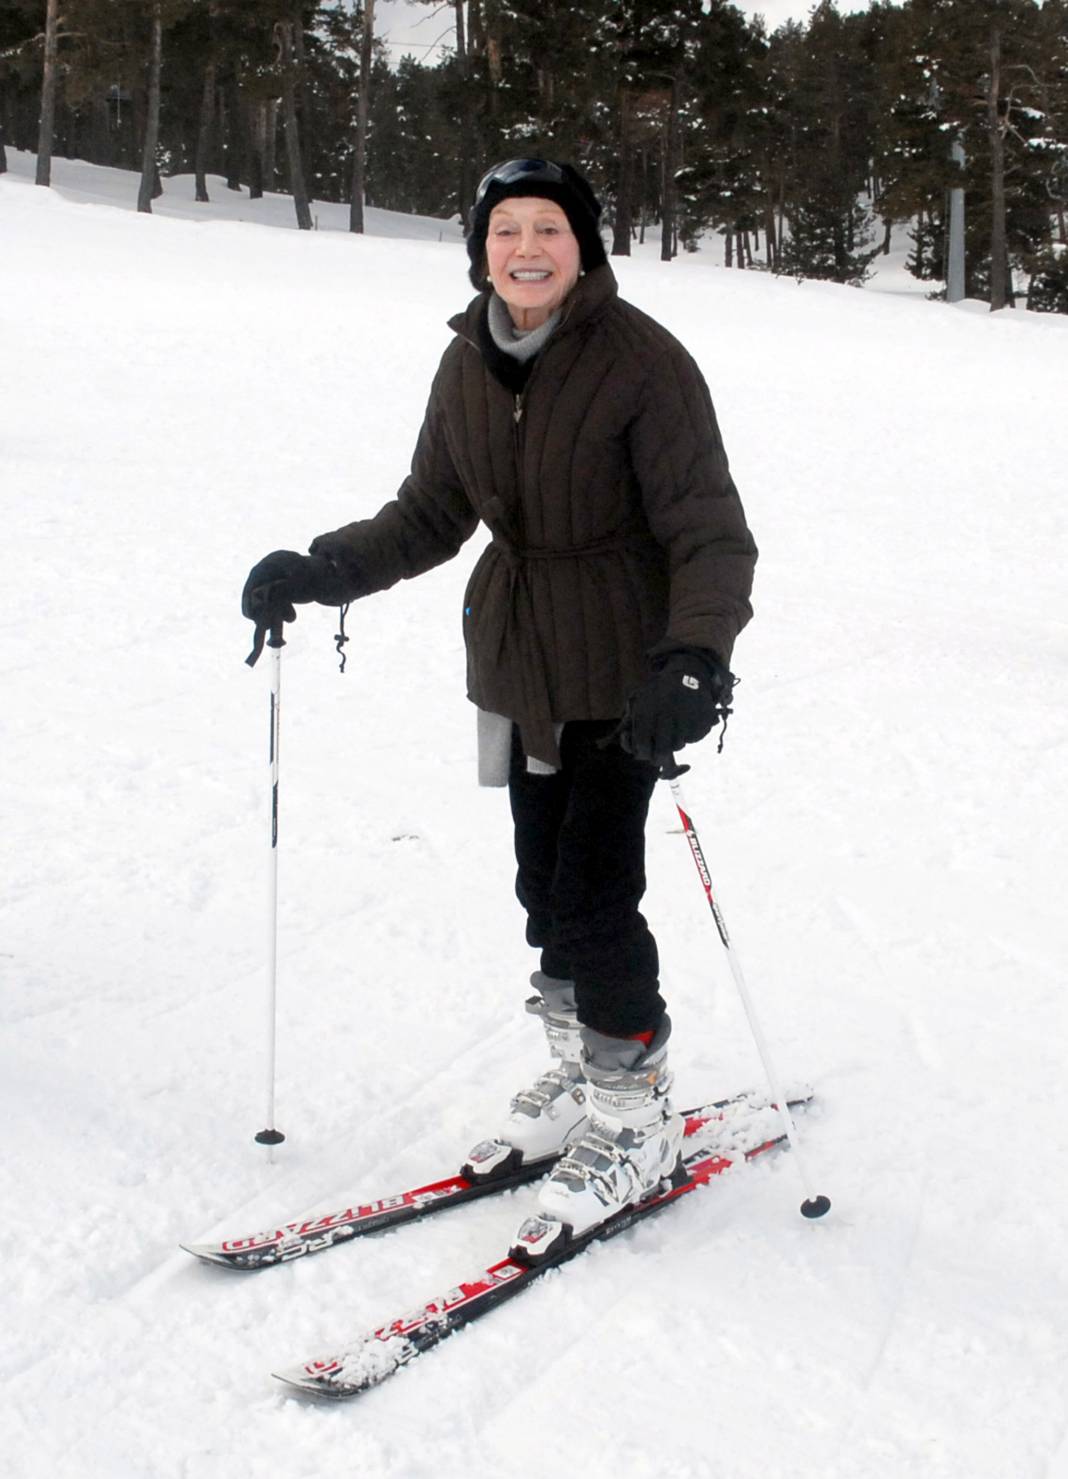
(271, 1135)
(813, 1205)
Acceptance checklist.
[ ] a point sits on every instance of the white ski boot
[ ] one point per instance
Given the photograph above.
(543, 1119)
(629, 1150)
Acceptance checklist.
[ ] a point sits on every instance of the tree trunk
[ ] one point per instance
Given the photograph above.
(999, 296)
(270, 143)
(7, 125)
(234, 133)
(302, 93)
(137, 125)
(494, 62)
(205, 132)
(667, 208)
(728, 248)
(257, 144)
(643, 204)
(467, 120)
(476, 31)
(359, 163)
(149, 173)
(476, 55)
(99, 131)
(622, 219)
(283, 33)
(22, 124)
(47, 125)
(886, 237)
(547, 89)
(769, 223)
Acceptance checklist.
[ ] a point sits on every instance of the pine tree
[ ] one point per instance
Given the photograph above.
(984, 66)
(725, 182)
(21, 39)
(912, 139)
(827, 169)
(413, 142)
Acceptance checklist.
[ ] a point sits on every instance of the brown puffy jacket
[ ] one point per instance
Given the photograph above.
(617, 530)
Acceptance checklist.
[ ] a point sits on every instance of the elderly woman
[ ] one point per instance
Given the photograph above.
(599, 623)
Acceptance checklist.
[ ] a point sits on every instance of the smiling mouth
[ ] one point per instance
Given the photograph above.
(521, 276)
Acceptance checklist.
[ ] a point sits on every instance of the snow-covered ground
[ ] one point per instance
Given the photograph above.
(182, 393)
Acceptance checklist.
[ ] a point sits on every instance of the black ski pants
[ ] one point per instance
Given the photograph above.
(580, 850)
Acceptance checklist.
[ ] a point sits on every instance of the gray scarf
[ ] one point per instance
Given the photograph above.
(494, 730)
(521, 344)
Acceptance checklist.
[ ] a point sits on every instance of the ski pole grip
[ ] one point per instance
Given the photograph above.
(671, 770)
(274, 640)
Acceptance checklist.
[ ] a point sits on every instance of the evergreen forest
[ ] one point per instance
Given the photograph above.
(798, 151)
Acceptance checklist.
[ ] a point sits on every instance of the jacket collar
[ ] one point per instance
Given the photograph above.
(593, 294)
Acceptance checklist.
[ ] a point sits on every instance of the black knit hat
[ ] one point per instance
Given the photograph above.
(560, 183)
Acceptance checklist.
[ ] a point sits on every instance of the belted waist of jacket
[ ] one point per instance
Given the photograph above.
(517, 624)
(612, 545)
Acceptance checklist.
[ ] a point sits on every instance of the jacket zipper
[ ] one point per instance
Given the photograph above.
(517, 449)
(517, 443)
(517, 416)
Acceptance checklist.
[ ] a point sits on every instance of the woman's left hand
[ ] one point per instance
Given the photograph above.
(677, 706)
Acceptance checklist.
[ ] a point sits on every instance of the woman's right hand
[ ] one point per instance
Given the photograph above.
(285, 579)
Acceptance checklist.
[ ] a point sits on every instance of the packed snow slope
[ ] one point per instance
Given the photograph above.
(886, 828)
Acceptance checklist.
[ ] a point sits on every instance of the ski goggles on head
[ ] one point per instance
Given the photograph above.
(514, 171)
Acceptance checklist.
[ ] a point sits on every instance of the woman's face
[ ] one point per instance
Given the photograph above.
(533, 257)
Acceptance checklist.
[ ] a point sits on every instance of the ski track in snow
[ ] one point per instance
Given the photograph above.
(885, 829)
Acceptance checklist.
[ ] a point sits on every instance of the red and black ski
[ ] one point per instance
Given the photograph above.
(723, 1135)
(290, 1240)
(300, 1238)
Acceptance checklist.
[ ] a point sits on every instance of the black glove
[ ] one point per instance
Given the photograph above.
(686, 697)
(284, 579)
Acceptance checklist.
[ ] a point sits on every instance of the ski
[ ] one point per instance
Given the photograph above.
(304, 1236)
(301, 1238)
(729, 1133)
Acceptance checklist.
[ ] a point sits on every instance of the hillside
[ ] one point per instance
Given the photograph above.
(885, 825)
